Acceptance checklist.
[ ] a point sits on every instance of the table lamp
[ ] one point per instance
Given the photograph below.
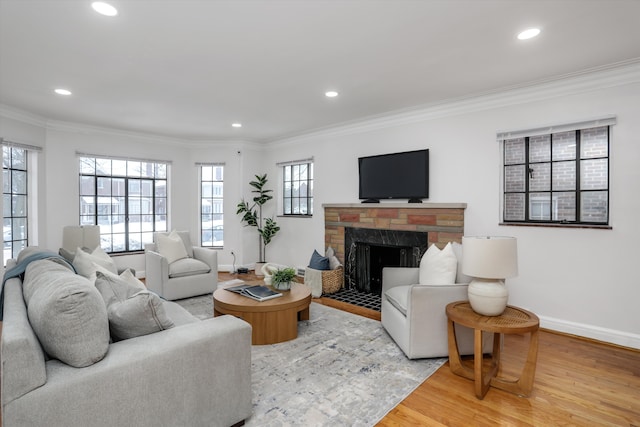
(489, 260)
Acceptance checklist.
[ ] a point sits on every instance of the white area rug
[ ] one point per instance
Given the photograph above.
(342, 370)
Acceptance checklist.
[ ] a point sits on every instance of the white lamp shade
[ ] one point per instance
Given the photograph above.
(490, 257)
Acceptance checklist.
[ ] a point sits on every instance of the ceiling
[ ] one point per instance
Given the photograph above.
(188, 69)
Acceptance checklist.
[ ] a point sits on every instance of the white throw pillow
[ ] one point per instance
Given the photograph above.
(171, 246)
(85, 263)
(438, 267)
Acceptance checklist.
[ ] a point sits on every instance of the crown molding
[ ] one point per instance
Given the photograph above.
(618, 74)
(22, 116)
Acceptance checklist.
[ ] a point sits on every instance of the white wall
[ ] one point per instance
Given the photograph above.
(580, 281)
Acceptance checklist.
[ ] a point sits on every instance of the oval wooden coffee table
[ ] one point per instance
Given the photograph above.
(272, 321)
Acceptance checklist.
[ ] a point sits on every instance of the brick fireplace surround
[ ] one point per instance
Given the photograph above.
(444, 222)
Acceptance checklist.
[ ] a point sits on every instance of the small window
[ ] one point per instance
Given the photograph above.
(560, 177)
(297, 189)
(211, 205)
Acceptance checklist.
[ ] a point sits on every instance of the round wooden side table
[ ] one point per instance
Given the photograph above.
(513, 320)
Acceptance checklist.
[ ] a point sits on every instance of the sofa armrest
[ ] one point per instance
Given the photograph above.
(156, 271)
(180, 376)
(208, 256)
(429, 301)
(399, 276)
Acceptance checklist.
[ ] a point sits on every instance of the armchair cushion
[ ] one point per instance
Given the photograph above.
(132, 312)
(398, 296)
(171, 246)
(438, 267)
(187, 267)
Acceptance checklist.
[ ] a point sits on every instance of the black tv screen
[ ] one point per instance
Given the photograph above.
(395, 176)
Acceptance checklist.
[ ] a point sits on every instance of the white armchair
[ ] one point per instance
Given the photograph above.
(414, 315)
(187, 277)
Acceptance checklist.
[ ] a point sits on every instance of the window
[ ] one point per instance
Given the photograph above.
(15, 197)
(557, 177)
(126, 198)
(297, 188)
(211, 206)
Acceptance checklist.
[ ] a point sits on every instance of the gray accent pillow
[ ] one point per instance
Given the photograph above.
(132, 312)
(66, 313)
(188, 267)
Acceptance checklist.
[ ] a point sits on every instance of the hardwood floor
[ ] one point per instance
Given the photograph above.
(578, 383)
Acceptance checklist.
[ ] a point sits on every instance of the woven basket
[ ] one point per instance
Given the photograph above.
(332, 280)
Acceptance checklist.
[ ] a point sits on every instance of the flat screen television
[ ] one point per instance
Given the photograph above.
(394, 176)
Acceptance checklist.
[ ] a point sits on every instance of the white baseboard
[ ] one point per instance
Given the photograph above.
(625, 339)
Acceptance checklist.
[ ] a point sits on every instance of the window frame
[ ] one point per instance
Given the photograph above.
(577, 162)
(129, 205)
(288, 194)
(220, 202)
(23, 242)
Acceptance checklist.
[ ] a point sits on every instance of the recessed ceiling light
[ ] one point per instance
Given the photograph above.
(331, 94)
(236, 125)
(529, 33)
(104, 8)
(64, 92)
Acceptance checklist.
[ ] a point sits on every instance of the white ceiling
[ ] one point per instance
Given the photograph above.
(189, 68)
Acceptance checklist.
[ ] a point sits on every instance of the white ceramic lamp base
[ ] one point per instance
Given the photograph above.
(488, 297)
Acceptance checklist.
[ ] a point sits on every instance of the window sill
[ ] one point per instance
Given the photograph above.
(295, 216)
(557, 225)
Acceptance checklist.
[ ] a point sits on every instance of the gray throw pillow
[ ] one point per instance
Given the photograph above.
(132, 312)
(66, 313)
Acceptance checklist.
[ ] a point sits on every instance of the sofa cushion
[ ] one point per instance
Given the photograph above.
(398, 296)
(318, 262)
(67, 314)
(187, 267)
(171, 246)
(85, 263)
(131, 311)
(438, 267)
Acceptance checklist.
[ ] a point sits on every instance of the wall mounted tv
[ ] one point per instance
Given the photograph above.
(394, 176)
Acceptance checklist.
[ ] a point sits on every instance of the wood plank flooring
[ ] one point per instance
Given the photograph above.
(578, 382)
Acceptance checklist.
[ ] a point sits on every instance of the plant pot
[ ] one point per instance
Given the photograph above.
(282, 286)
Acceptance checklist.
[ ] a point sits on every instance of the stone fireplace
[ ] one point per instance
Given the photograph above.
(367, 238)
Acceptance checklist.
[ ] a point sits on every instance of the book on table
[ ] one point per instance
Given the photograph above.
(256, 292)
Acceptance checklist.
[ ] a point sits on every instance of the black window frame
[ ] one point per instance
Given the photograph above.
(289, 198)
(578, 191)
(159, 175)
(214, 230)
(15, 241)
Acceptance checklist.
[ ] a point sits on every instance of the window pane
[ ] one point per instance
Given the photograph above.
(593, 142)
(540, 177)
(564, 176)
(19, 158)
(594, 206)
(514, 178)
(514, 207)
(87, 185)
(87, 165)
(514, 151)
(161, 170)
(19, 182)
(103, 167)
(6, 181)
(19, 207)
(540, 206)
(564, 145)
(146, 169)
(593, 174)
(6, 205)
(104, 186)
(119, 168)
(287, 205)
(564, 206)
(540, 148)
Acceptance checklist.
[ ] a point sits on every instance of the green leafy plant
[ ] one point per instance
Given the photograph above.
(252, 214)
(284, 275)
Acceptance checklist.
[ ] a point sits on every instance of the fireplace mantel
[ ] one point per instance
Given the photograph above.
(444, 222)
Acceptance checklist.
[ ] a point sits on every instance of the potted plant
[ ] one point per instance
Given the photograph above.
(252, 216)
(282, 278)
